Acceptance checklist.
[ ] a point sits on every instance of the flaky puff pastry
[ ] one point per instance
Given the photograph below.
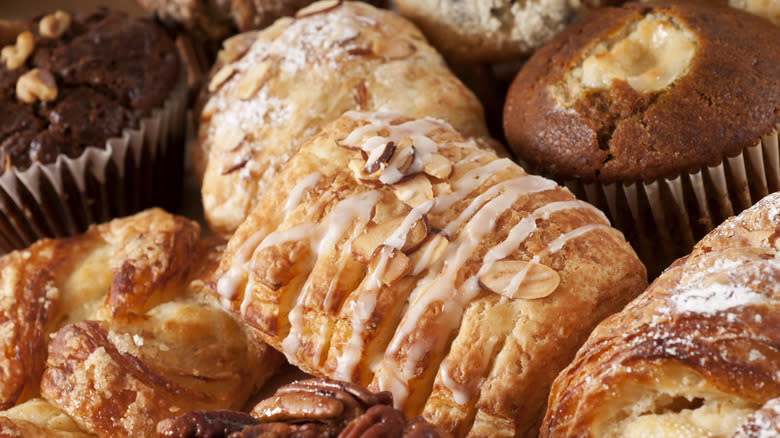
(274, 89)
(393, 253)
(117, 329)
(694, 354)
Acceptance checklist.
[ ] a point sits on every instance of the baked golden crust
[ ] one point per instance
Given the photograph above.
(117, 327)
(38, 418)
(695, 354)
(274, 89)
(374, 256)
(720, 102)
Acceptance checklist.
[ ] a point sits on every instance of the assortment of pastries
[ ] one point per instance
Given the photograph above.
(364, 221)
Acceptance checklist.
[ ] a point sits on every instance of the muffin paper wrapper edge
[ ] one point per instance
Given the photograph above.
(663, 219)
(132, 172)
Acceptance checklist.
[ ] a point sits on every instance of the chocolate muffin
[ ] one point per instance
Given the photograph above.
(90, 127)
(664, 115)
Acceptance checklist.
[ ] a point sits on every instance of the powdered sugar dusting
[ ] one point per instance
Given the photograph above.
(724, 284)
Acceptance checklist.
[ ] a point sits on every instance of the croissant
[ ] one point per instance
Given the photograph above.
(116, 329)
(692, 356)
(271, 90)
(393, 253)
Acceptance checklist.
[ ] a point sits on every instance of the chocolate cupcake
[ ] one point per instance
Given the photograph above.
(92, 126)
(663, 115)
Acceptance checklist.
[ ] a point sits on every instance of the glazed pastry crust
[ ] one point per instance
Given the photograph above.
(383, 283)
(120, 320)
(272, 90)
(703, 337)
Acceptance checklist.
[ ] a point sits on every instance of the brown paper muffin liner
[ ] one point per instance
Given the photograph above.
(665, 218)
(140, 169)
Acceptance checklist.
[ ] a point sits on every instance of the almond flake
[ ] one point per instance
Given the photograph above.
(376, 235)
(389, 264)
(430, 252)
(393, 48)
(222, 75)
(538, 280)
(438, 166)
(253, 80)
(318, 8)
(414, 191)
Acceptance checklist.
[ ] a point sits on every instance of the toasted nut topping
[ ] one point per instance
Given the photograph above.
(438, 166)
(429, 253)
(273, 31)
(389, 264)
(519, 279)
(54, 25)
(377, 235)
(393, 48)
(414, 191)
(253, 80)
(317, 8)
(404, 157)
(15, 56)
(36, 84)
(379, 156)
(222, 75)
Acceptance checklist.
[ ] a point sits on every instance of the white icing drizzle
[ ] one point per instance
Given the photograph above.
(365, 305)
(394, 376)
(552, 248)
(227, 285)
(325, 235)
(374, 146)
(294, 198)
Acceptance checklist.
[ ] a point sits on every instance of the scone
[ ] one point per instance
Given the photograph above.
(664, 115)
(92, 122)
(274, 89)
(493, 31)
(695, 354)
(393, 253)
(116, 328)
(321, 408)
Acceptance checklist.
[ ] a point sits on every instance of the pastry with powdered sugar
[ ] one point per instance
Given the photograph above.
(695, 355)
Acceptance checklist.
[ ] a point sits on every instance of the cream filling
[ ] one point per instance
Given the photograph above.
(649, 54)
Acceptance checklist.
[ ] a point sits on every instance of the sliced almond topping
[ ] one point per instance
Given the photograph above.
(253, 80)
(15, 56)
(430, 252)
(318, 8)
(379, 156)
(537, 280)
(376, 235)
(438, 166)
(361, 95)
(273, 31)
(393, 48)
(389, 264)
(441, 189)
(236, 46)
(414, 191)
(404, 155)
(222, 75)
(54, 25)
(230, 139)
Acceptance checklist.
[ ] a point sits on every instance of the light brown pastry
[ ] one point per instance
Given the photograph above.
(695, 354)
(393, 253)
(273, 90)
(38, 418)
(116, 327)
